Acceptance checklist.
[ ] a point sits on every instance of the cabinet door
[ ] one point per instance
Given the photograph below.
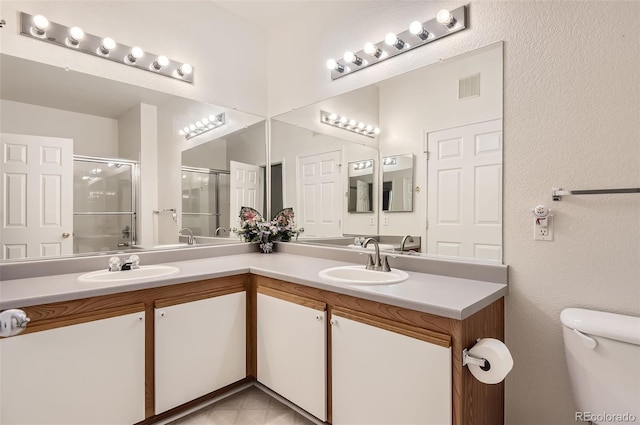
(384, 377)
(200, 346)
(88, 373)
(292, 350)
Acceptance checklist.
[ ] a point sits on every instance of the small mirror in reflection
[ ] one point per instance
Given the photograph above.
(360, 187)
(397, 183)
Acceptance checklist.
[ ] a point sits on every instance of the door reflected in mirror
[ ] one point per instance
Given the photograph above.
(397, 183)
(360, 196)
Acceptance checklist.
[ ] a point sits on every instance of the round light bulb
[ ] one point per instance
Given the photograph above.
(192, 127)
(332, 64)
(416, 28)
(212, 118)
(343, 120)
(181, 132)
(349, 56)
(444, 17)
(370, 48)
(361, 126)
(186, 130)
(162, 60)
(333, 117)
(137, 52)
(40, 22)
(76, 33)
(185, 69)
(352, 123)
(205, 120)
(391, 39)
(108, 43)
(199, 124)
(376, 130)
(369, 128)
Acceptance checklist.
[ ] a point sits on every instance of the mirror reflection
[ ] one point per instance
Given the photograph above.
(397, 183)
(111, 165)
(360, 187)
(444, 121)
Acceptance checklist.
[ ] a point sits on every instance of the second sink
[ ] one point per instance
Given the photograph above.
(359, 275)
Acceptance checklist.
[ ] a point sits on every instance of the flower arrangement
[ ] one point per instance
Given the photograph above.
(254, 228)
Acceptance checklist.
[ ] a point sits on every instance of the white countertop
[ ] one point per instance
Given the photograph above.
(450, 297)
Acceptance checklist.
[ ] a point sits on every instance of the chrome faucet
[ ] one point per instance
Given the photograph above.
(380, 264)
(190, 239)
(404, 240)
(218, 230)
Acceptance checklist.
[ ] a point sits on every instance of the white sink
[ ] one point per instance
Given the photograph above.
(170, 245)
(371, 247)
(359, 275)
(126, 276)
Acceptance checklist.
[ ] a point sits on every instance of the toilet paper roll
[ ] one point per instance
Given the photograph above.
(499, 359)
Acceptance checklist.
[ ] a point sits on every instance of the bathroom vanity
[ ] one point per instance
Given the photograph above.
(143, 351)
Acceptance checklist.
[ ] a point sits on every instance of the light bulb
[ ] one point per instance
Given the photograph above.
(352, 123)
(376, 130)
(333, 117)
(106, 46)
(185, 69)
(352, 58)
(75, 35)
(418, 30)
(181, 132)
(392, 40)
(192, 127)
(212, 118)
(186, 130)
(361, 125)
(369, 128)
(40, 25)
(445, 18)
(335, 66)
(343, 120)
(199, 124)
(160, 62)
(205, 120)
(135, 54)
(371, 49)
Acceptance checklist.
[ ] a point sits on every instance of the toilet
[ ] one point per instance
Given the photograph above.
(603, 356)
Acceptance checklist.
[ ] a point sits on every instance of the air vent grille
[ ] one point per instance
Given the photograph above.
(469, 87)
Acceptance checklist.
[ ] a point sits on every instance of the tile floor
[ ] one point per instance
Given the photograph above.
(248, 407)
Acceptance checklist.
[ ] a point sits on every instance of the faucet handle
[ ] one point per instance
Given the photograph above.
(385, 264)
(114, 264)
(134, 260)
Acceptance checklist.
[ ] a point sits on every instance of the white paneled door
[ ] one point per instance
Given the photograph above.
(465, 191)
(37, 196)
(246, 189)
(320, 194)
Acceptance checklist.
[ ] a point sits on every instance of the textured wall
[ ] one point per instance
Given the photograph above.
(571, 119)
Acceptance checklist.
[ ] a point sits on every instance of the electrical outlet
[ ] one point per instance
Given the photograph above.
(543, 233)
(386, 220)
(372, 222)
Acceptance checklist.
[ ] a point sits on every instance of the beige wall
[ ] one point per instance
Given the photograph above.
(571, 119)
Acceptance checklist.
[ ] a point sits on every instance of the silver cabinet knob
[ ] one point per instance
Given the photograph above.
(12, 322)
(319, 317)
(333, 322)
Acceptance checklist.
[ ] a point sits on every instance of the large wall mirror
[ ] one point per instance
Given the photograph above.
(92, 165)
(441, 136)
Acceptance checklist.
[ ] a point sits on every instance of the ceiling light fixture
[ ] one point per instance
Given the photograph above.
(40, 28)
(348, 124)
(202, 126)
(418, 34)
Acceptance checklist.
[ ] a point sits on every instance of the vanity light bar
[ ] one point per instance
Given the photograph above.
(362, 165)
(444, 24)
(349, 124)
(389, 160)
(202, 126)
(75, 38)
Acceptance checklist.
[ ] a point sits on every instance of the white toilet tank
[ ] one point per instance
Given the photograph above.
(603, 355)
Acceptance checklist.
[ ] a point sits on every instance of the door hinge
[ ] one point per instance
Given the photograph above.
(428, 155)
(427, 225)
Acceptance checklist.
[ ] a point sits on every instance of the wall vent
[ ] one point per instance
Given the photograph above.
(469, 87)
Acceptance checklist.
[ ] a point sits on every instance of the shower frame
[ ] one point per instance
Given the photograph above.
(210, 172)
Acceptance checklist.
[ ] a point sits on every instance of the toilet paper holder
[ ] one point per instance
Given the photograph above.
(478, 361)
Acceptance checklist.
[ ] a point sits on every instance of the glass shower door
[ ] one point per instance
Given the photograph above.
(203, 193)
(104, 204)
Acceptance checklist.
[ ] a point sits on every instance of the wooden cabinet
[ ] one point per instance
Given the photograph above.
(88, 370)
(385, 374)
(200, 346)
(291, 348)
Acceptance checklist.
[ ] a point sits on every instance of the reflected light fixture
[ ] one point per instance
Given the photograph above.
(202, 126)
(349, 124)
(39, 27)
(389, 160)
(418, 34)
(362, 165)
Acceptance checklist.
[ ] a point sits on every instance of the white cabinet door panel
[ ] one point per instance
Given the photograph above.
(292, 352)
(384, 378)
(200, 346)
(90, 373)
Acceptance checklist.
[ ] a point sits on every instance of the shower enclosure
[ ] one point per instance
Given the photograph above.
(104, 204)
(205, 201)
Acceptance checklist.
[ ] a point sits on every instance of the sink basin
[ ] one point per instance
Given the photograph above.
(170, 245)
(144, 272)
(371, 247)
(359, 275)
